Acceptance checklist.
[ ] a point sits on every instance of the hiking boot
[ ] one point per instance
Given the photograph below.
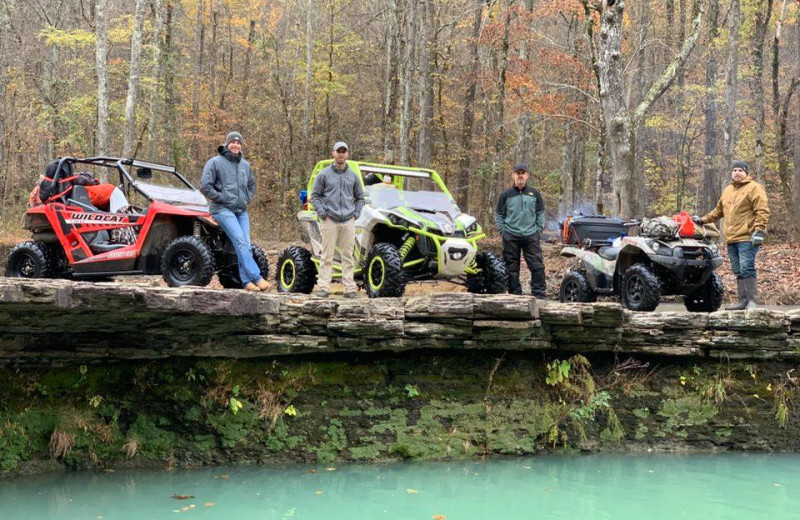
(322, 293)
(750, 293)
(262, 285)
(351, 295)
(250, 286)
(742, 303)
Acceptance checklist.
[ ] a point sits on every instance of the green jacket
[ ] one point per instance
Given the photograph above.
(520, 212)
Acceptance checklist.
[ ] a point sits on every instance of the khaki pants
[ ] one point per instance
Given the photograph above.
(341, 236)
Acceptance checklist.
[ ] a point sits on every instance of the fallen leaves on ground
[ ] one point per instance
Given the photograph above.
(182, 497)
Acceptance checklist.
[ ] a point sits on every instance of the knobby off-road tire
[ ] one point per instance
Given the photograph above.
(229, 278)
(29, 260)
(493, 278)
(640, 289)
(575, 288)
(383, 272)
(708, 298)
(296, 272)
(187, 261)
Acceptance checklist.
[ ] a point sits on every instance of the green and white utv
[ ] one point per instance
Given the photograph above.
(410, 229)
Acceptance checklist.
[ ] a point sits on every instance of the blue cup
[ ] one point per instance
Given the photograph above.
(303, 196)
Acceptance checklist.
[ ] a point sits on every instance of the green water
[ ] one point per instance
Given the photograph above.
(652, 487)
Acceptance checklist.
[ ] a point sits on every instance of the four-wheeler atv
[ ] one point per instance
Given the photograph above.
(639, 269)
(168, 224)
(410, 229)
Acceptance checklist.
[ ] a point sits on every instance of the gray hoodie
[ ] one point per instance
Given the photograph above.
(228, 182)
(337, 195)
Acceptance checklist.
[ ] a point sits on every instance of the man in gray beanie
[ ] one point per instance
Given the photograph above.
(230, 185)
(745, 208)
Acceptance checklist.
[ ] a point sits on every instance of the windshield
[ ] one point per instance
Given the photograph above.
(172, 195)
(388, 197)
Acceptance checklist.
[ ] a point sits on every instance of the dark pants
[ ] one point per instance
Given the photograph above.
(743, 259)
(532, 251)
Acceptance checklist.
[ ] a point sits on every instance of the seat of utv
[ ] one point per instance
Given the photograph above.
(608, 252)
(100, 241)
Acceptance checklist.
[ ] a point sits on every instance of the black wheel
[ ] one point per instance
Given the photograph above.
(575, 288)
(296, 272)
(641, 289)
(29, 260)
(383, 272)
(492, 279)
(708, 298)
(229, 278)
(187, 261)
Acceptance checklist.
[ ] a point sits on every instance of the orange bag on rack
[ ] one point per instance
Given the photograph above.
(685, 224)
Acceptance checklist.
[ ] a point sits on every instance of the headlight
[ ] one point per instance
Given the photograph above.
(400, 221)
(662, 249)
(472, 228)
(714, 249)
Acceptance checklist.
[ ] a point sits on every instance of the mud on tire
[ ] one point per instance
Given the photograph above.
(493, 278)
(640, 289)
(187, 261)
(708, 298)
(295, 271)
(383, 272)
(575, 288)
(230, 279)
(29, 260)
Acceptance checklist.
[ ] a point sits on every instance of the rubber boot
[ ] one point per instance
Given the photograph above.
(742, 303)
(751, 292)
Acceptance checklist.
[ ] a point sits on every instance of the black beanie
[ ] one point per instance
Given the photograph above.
(740, 164)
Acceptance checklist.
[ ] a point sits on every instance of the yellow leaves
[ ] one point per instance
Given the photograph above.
(290, 411)
(69, 38)
(411, 491)
(235, 405)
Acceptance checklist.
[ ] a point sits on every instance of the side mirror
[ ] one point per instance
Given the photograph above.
(144, 174)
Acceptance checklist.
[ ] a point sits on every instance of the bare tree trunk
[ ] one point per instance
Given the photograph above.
(710, 191)
(498, 159)
(199, 36)
(169, 88)
(760, 25)
(248, 60)
(133, 82)
(101, 67)
(308, 100)
(790, 196)
(407, 80)
(462, 179)
(731, 131)
(154, 130)
(619, 122)
(425, 135)
(776, 49)
(212, 63)
(391, 80)
(328, 114)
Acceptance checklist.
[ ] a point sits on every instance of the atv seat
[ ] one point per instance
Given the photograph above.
(100, 242)
(608, 252)
(80, 197)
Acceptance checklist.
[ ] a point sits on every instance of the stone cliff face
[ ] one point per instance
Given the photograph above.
(60, 322)
(105, 375)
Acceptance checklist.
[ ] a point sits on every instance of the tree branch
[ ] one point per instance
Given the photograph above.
(661, 85)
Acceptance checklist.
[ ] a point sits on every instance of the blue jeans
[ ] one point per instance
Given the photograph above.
(237, 227)
(743, 259)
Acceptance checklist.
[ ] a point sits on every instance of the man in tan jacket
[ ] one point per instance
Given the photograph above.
(743, 204)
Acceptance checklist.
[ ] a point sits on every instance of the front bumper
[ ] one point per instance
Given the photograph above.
(454, 256)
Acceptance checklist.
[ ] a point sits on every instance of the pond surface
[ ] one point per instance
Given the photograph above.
(707, 487)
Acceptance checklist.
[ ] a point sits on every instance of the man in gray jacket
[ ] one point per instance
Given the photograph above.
(338, 197)
(230, 185)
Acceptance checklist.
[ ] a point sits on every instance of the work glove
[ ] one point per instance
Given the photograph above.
(758, 238)
(697, 219)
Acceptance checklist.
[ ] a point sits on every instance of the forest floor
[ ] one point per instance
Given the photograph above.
(778, 267)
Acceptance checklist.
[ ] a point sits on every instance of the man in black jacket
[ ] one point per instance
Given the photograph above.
(520, 218)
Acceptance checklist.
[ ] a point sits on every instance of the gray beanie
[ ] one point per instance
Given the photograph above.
(740, 164)
(233, 136)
